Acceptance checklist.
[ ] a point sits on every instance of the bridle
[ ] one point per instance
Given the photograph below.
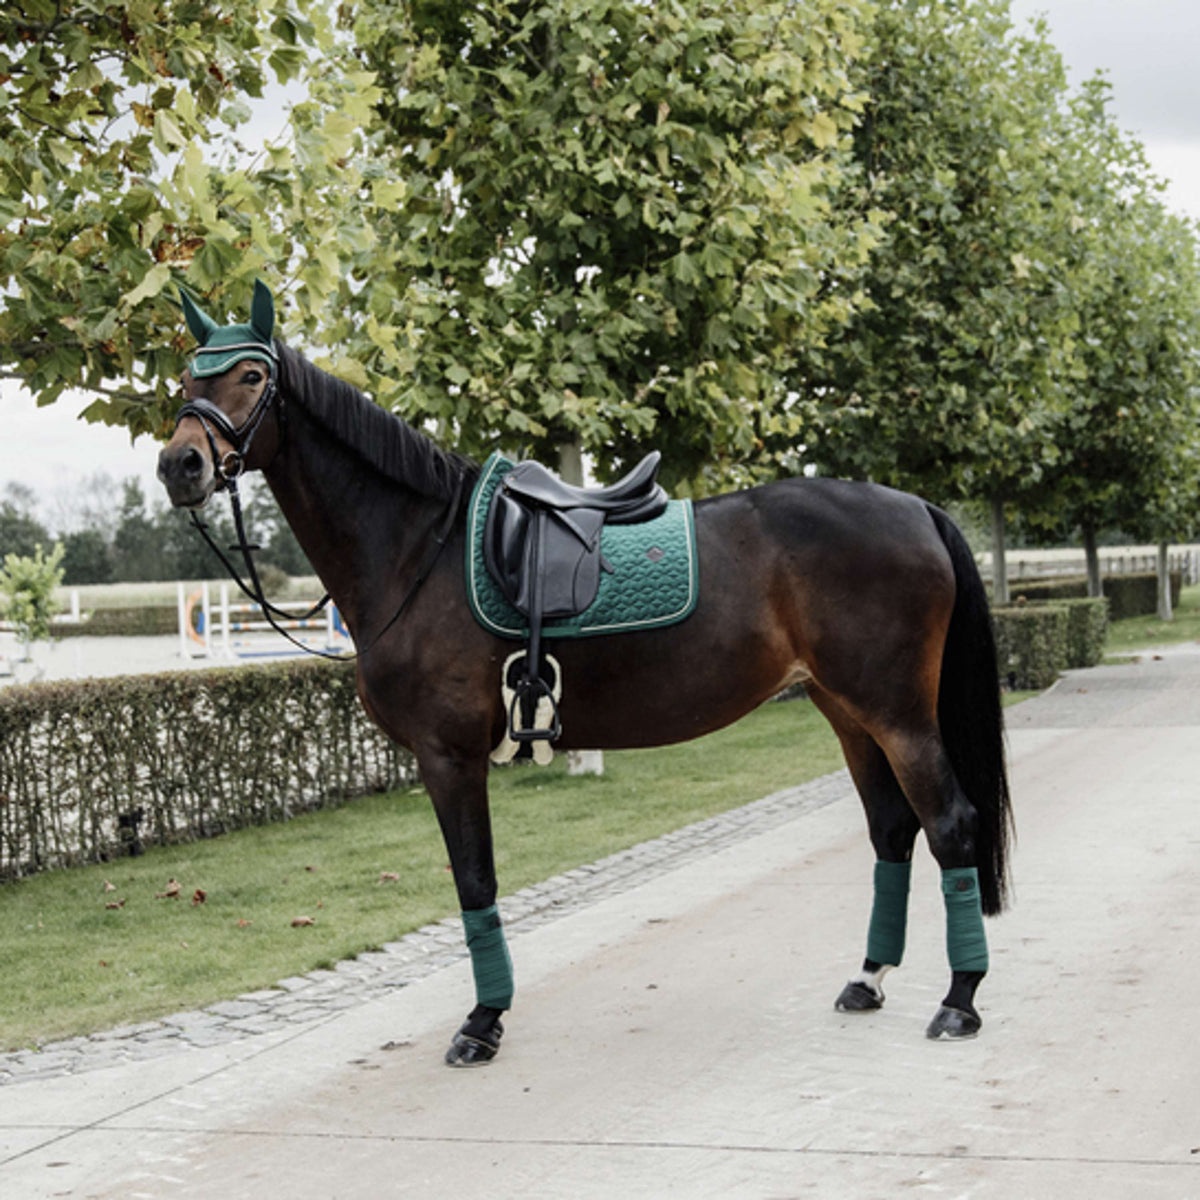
(228, 469)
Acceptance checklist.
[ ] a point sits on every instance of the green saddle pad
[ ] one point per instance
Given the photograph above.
(655, 579)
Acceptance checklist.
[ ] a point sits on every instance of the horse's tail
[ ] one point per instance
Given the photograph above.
(971, 717)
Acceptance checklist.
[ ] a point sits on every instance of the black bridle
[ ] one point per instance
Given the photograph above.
(228, 469)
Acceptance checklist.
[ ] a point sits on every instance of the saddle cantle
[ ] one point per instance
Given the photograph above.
(542, 547)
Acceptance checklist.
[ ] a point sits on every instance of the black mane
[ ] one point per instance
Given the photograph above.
(393, 447)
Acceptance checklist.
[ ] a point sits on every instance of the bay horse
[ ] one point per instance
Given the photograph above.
(867, 595)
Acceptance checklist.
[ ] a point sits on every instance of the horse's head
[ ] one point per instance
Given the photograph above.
(228, 388)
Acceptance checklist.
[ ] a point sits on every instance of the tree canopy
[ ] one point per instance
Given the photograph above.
(602, 220)
(121, 173)
(878, 240)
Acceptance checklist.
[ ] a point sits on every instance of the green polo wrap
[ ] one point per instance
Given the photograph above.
(966, 942)
(889, 913)
(490, 959)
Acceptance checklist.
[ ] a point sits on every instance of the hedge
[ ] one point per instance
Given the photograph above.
(134, 621)
(1128, 595)
(1035, 642)
(1031, 644)
(95, 768)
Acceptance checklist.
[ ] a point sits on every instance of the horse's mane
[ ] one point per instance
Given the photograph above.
(390, 445)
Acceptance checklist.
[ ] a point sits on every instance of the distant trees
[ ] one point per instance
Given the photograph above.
(118, 537)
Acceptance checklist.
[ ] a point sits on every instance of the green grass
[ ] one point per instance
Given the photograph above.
(1140, 633)
(73, 966)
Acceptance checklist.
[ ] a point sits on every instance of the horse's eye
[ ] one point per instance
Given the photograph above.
(252, 377)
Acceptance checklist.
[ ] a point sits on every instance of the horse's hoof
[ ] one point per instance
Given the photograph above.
(859, 997)
(468, 1051)
(953, 1023)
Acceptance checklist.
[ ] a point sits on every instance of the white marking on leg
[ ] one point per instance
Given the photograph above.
(872, 980)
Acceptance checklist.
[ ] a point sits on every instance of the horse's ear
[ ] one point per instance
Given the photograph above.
(262, 312)
(202, 327)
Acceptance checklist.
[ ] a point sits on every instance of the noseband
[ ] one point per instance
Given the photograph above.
(227, 467)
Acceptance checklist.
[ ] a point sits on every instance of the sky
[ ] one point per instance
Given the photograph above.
(1149, 49)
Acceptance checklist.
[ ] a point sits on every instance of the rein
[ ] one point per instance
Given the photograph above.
(228, 469)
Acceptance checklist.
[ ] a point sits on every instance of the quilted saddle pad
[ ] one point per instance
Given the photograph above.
(655, 580)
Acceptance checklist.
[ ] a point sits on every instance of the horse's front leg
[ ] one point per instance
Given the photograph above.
(457, 784)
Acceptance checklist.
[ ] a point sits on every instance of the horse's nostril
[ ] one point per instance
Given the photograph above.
(182, 465)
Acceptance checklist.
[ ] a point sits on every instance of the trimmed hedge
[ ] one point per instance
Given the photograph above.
(1128, 595)
(135, 621)
(1035, 642)
(1031, 644)
(95, 768)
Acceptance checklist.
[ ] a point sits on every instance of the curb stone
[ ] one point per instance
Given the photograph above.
(319, 995)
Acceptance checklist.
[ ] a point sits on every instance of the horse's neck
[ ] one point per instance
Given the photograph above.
(363, 534)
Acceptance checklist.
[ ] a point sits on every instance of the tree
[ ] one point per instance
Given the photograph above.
(1129, 438)
(28, 582)
(948, 379)
(121, 174)
(87, 557)
(20, 529)
(602, 221)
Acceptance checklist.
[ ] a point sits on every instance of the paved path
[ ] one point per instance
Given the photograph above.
(674, 1034)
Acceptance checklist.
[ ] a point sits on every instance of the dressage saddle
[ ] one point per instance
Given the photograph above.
(542, 547)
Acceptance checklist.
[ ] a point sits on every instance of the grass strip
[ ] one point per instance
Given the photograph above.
(74, 965)
(1144, 633)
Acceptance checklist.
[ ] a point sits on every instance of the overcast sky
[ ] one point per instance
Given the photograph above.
(1149, 48)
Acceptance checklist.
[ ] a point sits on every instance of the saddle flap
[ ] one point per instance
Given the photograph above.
(563, 548)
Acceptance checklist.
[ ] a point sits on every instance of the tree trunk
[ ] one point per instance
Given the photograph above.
(570, 467)
(999, 563)
(1091, 554)
(1164, 584)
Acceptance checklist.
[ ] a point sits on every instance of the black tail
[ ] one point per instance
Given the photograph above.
(971, 718)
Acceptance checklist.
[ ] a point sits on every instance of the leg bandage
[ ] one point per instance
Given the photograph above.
(490, 959)
(966, 941)
(889, 913)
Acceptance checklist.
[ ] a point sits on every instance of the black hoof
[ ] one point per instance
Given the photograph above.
(859, 997)
(954, 1023)
(468, 1051)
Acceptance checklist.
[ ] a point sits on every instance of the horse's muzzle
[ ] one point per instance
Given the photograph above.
(187, 474)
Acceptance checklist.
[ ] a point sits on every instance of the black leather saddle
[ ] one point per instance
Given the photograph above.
(542, 547)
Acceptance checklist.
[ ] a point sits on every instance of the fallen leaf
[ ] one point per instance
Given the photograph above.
(199, 896)
(115, 904)
(109, 887)
(388, 877)
(172, 892)
(298, 921)
(243, 923)
(310, 868)
(103, 963)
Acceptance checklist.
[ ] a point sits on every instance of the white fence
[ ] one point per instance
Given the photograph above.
(1114, 560)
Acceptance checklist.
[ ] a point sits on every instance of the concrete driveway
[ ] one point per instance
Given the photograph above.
(676, 1036)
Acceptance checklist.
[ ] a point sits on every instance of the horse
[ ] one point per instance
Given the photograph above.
(868, 596)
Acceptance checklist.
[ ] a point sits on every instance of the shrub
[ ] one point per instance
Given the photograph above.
(1128, 595)
(94, 768)
(1031, 644)
(1137, 595)
(135, 621)
(1087, 628)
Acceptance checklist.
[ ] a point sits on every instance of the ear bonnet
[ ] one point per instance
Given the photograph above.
(222, 346)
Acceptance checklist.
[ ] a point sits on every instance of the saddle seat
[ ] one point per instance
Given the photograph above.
(635, 497)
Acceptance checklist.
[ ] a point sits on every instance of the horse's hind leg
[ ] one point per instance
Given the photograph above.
(950, 822)
(893, 829)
